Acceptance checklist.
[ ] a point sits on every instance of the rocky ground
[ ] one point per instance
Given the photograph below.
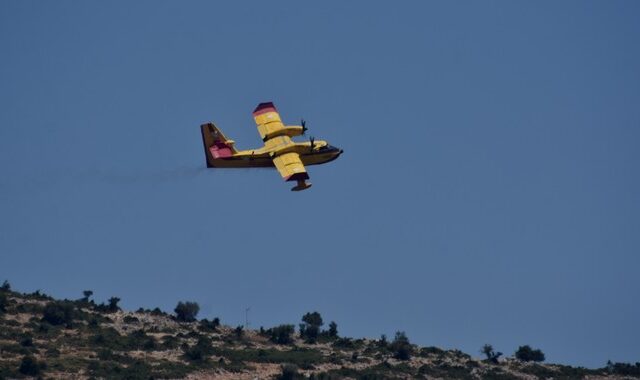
(45, 338)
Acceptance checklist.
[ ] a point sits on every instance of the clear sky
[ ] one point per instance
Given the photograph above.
(489, 191)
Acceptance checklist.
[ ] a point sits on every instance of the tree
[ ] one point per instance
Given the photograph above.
(401, 347)
(87, 294)
(313, 319)
(239, 331)
(6, 286)
(4, 302)
(281, 334)
(113, 304)
(311, 327)
(492, 356)
(187, 311)
(333, 330)
(528, 354)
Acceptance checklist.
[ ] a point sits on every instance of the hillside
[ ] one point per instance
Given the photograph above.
(62, 339)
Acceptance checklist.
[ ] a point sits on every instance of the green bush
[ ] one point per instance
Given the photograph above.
(110, 338)
(187, 311)
(207, 325)
(344, 343)
(289, 372)
(52, 352)
(38, 295)
(29, 366)
(426, 351)
(169, 342)
(130, 319)
(282, 334)
(58, 313)
(446, 371)
(624, 369)
(13, 348)
(26, 341)
(528, 354)
(200, 351)
(140, 340)
(298, 356)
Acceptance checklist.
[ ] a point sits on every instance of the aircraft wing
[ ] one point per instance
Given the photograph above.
(268, 119)
(290, 167)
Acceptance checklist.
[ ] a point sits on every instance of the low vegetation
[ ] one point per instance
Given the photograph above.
(528, 354)
(41, 337)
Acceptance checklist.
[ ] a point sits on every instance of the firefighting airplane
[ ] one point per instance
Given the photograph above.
(279, 150)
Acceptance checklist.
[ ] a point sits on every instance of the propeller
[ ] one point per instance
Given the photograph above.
(311, 140)
(304, 126)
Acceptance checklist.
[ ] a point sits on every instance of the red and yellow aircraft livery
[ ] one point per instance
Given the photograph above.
(279, 150)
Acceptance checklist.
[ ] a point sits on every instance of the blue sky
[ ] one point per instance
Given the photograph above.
(489, 191)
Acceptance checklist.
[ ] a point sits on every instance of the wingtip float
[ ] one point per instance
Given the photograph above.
(279, 150)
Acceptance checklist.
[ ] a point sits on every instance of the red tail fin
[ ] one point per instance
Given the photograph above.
(216, 145)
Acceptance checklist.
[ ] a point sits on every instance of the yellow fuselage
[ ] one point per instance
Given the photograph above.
(320, 153)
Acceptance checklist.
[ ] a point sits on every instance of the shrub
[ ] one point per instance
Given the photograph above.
(426, 351)
(29, 366)
(345, 343)
(491, 355)
(38, 295)
(58, 313)
(130, 319)
(282, 334)
(52, 352)
(625, 369)
(170, 342)
(289, 372)
(140, 340)
(206, 325)
(200, 350)
(528, 354)
(4, 302)
(187, 311)
(401, 347)
(26, 341)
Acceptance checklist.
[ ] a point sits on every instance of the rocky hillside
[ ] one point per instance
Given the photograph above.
(62, 339)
